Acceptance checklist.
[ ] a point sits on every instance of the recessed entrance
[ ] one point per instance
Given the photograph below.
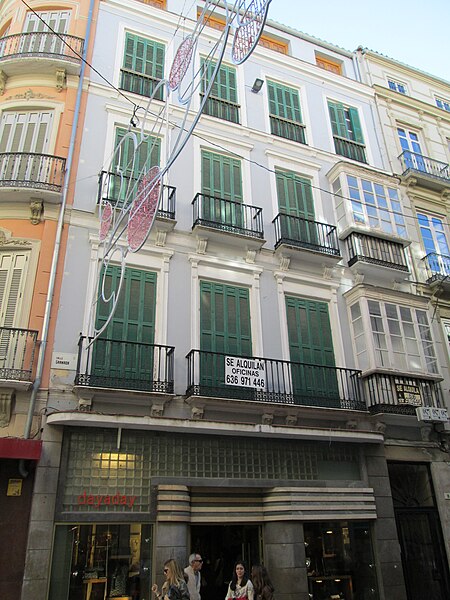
(221, 546)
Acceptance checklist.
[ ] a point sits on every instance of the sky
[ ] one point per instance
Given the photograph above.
(415, 32)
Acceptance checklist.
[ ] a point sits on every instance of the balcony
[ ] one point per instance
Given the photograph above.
(437, 267)
(113, 187)
(424, 171)
(350, 149)
(297, 233)
(221, 109)
(279, 382)
(120, 365)
(400, 395)
(141, 84)
(214, 214)
(369, 253)
(40, 52)
(17, 354)
(290, 130)
(22, 172)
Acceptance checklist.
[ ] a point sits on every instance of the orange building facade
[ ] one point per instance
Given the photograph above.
(42, 47)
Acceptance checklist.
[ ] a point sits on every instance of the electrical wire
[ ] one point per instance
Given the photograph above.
(137, 107)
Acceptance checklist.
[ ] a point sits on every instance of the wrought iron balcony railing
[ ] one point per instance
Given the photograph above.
(400, 394)
(290, 130)
(114, 188)
(17, 351)
(437, 267)
(221, 109)
(278, 381)
(42, 44)
(305, 233)
(350, 149)
(226, 215)
(411, 161)
(368, 249)
(122, 365)
(38, 171)
(139, 83)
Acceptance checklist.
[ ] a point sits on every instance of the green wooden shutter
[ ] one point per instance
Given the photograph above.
(221, 183)
(13, 269)
(221, 176)
(133, 321)
(284, 102)
(225, 84)
(225, 319)
(294, 195)
(224, 327)
(338, 122)
(296, 204)
(310, 343)
(144, 56)
(148, 155)
(356, 125)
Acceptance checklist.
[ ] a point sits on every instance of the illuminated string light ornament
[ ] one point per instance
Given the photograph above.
(131, 192)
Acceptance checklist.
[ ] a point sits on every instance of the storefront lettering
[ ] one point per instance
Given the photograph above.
(97, 501)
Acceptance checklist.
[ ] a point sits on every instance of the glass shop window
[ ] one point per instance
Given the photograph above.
(340, 561)
(100, 562)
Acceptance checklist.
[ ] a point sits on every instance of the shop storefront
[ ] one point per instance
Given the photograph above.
(130, 500)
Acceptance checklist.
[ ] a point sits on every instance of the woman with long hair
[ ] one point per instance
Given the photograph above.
(261, 582)
(240, 586)
(174, 587)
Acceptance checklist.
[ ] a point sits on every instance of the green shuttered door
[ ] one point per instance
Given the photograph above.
(296, 205)
(221, 189)
(224, 327)
(133, 321)
(310, 343)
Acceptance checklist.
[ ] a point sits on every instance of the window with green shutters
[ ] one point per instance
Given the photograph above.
(130, 166)
(296, 204)
(221, 190)
(285, 112)
(311, 352)
(224, 328)
(347, 132)
(123, 355)
(143, 66)
(223, 100)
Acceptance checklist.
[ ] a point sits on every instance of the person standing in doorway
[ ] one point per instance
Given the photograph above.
(240, 586)
(194, 576)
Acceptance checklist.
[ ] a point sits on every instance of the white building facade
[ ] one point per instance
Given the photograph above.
(255, 391)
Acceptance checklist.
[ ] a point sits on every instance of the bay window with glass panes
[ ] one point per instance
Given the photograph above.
(374, 206)
(392, 336)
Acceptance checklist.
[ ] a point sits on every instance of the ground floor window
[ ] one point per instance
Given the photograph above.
(340, 562)
(101, 561)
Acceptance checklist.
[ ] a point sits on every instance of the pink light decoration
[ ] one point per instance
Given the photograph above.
(251, 24)
(106, 220)
(181, 63)
(143, 210)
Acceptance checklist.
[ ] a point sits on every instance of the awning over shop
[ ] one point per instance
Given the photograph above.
(20, 448)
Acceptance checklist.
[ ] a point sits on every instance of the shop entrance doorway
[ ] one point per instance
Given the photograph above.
(420, 535)
(221, 546)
